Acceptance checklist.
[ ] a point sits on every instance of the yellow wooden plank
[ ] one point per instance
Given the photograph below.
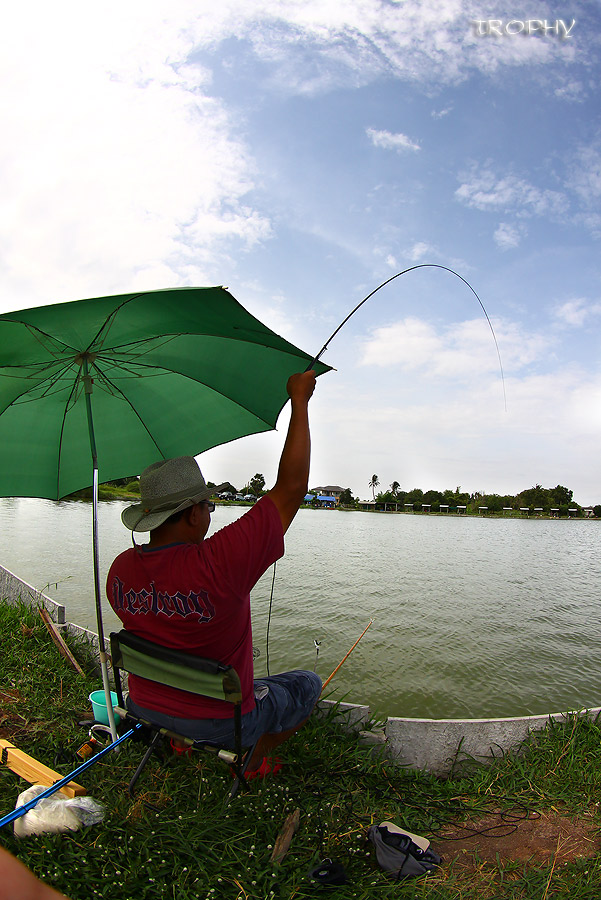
(35, 772)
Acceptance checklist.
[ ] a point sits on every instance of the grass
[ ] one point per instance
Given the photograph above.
(174, 840)
(107, 492)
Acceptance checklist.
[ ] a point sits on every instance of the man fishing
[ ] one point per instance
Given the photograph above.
(192, 593)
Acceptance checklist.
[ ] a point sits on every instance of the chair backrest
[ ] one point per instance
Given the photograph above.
(196, 674)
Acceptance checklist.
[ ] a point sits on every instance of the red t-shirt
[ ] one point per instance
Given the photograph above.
(196, 598)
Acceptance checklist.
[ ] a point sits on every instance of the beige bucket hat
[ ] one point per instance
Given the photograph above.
(166, 487)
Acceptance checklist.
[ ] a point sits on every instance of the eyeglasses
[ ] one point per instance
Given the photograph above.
(209, 504)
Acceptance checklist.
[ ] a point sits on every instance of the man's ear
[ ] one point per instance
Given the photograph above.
(192, 515)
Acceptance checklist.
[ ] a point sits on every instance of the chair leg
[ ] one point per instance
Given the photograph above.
(240, 770)
(149, 751)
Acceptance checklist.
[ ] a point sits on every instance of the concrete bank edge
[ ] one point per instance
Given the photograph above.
(14, 589)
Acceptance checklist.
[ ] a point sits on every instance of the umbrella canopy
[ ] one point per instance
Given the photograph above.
(170, 372)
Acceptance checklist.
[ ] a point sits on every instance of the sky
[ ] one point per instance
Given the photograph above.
(302, 153)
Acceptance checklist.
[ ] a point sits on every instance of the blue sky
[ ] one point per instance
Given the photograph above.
(301, 153)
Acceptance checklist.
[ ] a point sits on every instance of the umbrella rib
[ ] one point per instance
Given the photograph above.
(226, 337)
(166, 338)
(111, 318)
(116, 391)
(52, 382)
(36, 332)
(33, 366)
(237, 403)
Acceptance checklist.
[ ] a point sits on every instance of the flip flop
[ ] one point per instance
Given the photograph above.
(270, 765)
(180, 751)
(422, 842)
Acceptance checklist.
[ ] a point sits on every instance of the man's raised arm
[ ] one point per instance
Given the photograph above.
(293, 473)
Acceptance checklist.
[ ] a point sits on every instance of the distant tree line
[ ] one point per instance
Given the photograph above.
(256, 485)
(537, 497)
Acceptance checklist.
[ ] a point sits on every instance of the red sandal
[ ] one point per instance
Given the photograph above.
(181, 751)
(270, 765)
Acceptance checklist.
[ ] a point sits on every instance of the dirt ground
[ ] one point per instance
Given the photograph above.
(539, 839)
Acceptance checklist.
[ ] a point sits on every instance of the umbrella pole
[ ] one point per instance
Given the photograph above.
(88, 383)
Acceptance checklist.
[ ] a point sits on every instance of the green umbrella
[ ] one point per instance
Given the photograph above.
(98, 389)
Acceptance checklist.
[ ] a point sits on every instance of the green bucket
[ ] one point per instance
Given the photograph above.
(99, 710)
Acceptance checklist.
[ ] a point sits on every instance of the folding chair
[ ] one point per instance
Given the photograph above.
(198, 675)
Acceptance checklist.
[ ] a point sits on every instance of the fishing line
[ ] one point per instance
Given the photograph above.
(269, 618)
(404, 272)
(339, 328)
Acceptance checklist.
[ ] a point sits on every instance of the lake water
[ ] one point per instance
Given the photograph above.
(473, 617)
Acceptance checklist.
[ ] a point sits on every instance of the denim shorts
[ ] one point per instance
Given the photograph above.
(281, 702)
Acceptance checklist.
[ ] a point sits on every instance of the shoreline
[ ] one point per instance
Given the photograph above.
(455, 515)
(112, 495)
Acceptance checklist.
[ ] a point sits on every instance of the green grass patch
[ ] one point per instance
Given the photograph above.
(175, 840)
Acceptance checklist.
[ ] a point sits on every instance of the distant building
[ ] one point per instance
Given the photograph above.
(323, 500)
(329, 490)
(327, 501)
(366, 504)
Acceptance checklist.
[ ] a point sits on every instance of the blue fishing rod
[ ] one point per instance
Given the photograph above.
(21, 810)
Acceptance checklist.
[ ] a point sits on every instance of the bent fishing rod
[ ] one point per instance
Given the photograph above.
(398, 275)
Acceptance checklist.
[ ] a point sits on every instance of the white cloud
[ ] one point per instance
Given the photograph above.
(570, 90)
(585, 175)
(355, 41)
(508, 236)
(389, 141)
(591, 221)
(577, 312)
(461, 433)
(486, 190)
(116, 170)
(419, 250)
(585, 408)
(461, 351)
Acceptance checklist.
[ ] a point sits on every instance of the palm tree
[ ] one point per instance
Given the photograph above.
(394, 488)
(375, 481)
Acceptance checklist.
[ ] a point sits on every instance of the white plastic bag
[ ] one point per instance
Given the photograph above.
(55, 813)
